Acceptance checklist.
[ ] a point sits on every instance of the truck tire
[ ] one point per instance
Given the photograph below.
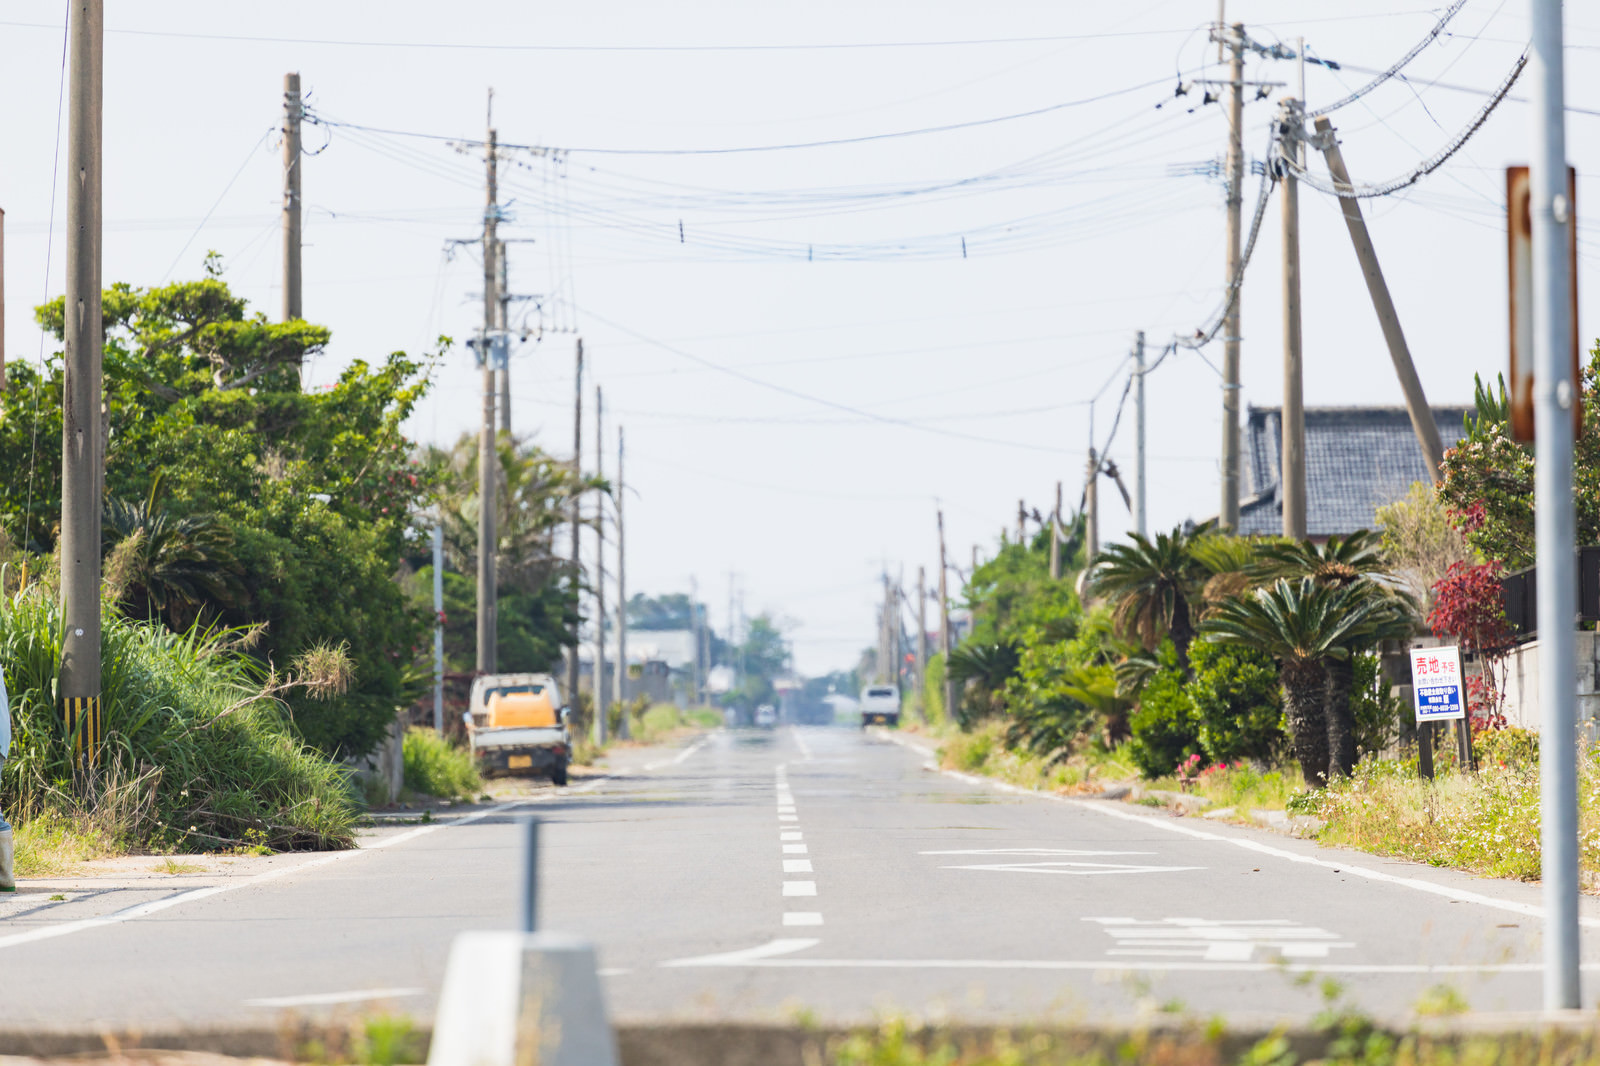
(558, 775)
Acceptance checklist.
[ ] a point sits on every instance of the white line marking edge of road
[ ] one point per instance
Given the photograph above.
(144, 910)
(328, 999)
(1108, 808)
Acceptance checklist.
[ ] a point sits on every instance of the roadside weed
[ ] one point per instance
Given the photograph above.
(436, 767)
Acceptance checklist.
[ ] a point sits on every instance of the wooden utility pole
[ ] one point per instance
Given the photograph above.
(1055, 537)
(623, 730)
(1022, 519)
(1139, 518)
(81, 427)
(696, 629)
(293, 111)
(1234, 40)
(488, 452)
(944, 625)
(1293, 474)
(503, 292)
(601, 681)
(922, 638)
(1422, 420)
(1092, 500)
(438, 627)
(577, 519)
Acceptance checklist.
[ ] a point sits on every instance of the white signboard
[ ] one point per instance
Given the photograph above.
(1436, 683)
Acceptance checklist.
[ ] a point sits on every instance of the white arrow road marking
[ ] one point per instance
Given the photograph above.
(328, 999)
(1219, 941)
(1080, 869)
(749, 956)
(1031, 851)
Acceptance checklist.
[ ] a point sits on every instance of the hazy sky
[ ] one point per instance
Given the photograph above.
(815, 362)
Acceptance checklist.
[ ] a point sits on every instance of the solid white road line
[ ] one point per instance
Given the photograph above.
(328, 999)
(750, 958)
(1110, 809)
(144, 910)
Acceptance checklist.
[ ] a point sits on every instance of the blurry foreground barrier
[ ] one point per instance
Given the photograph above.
(522, 997)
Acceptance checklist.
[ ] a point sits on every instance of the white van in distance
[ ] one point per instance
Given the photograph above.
(880, 703)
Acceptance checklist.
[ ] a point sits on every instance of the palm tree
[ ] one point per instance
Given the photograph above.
(985, 668)
(1154, 586)
(159, 566)
(1355, 562)
(1304, 625)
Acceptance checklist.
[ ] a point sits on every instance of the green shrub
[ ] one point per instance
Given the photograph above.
(1164, 725)
(1237, 702)
(436, 767)
(1510, 748)
(1374, 706)
(194, 757)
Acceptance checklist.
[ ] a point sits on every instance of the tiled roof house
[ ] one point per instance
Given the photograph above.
(1357, 460)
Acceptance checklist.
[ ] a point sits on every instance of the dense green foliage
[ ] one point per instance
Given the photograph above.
(436, 767)
(235, 498)
(195, 757)
(1488, 478)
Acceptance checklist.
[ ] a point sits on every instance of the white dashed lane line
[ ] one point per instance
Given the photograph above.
(791, 842)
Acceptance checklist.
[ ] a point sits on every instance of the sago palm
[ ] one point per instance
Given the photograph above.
(1154, 587)
(1304, 625)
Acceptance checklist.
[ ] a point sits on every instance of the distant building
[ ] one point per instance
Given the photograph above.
(1357, 460)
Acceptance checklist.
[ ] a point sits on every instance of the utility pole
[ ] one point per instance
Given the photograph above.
(944, 626)
(696, 629)
(885, 674)
(1055, 537)
(1139, 519)
(81, 428)
(922, 639)
(577, 518)
(438, 628)
(1092, 497)
(1292, 479)
(600, 679)
(1554, 527)
(488, 452)
(1234, 40)
(1422, 420)
(1022, 518)
(503, 298)
(733, 663)
(292, 113)
(623, 730)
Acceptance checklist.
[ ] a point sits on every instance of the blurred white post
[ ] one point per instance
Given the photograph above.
(1555, 531)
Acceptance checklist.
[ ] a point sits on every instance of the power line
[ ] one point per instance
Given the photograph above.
(322, 120)
(822, 401)
(1423, 169)
(624, 48)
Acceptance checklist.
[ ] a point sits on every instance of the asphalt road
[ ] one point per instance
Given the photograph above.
(756, 875)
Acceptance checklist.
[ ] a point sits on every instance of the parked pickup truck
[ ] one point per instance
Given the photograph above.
(516, 724)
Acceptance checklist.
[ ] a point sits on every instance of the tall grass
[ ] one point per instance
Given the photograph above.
(983, 750)
(436, 767)
(194, 759)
